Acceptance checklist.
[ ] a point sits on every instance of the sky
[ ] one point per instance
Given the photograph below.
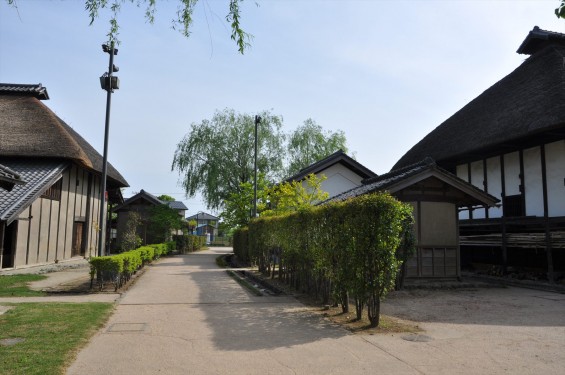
(385, 72)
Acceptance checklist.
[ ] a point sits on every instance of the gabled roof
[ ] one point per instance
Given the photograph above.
(538, 39)
(202, 216)
(176, 205)
(31, 129)
(335, 158)
(9, 178)
(402, 178)
(39, 176)
(527, 103)
(143, 195)
(37, 91)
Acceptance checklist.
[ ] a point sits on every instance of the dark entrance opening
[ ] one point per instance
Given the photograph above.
(9, 245)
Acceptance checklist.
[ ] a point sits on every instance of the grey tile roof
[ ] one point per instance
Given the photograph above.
(36, 90)
(9, 178)
(202, 216)
(382, 182)
(39, 176)
(177, 205)
(397, 180)
(335, 158)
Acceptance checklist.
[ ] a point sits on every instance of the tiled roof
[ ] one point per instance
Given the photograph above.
(39, 176)
(335, 158)
(382, 182)
(177, 205)
(537, 39)
(37, 91)
(202, 216)
(9, 178)
(397, 180)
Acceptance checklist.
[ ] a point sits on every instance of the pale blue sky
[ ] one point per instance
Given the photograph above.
(384, 72)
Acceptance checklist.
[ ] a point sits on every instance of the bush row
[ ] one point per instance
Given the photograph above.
(119, 268)
(355, 247)
(187, 243)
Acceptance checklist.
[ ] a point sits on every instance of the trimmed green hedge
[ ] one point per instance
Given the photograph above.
(189, 242)
(355, 247)
(118, 269)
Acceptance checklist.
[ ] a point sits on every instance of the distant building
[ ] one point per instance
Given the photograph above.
(142, 203)
(206, 225)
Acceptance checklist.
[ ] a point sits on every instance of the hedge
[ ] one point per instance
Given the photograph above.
(118, 269)
(189, 242)
(355, 247)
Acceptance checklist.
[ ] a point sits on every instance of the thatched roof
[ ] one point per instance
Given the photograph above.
(338, 157)
(31, 129)
(525, 106)
(402, 178)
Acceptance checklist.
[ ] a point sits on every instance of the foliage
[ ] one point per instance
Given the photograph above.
(181, 22)
(166, 198)
(238, 207)
(163, 220)
(309, 143)
(16, 285)
(130, 239)
(560, 11)
(189, 243)
(119, 268)
(216, 156)
(295, 195)
(334, 249)
(52, 333)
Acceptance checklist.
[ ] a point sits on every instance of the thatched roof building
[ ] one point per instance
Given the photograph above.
(29, 129)
(527, 107)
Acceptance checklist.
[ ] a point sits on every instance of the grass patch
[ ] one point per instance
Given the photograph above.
(52, 332)
(244, 283)
(387, 324)
(16, 285)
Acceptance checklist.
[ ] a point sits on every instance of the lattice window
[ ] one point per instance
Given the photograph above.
(54, 192)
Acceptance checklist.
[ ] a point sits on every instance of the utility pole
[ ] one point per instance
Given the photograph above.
(108, 83)
(257, 121)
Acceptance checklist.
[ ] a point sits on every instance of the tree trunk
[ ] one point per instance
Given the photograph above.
(344, 301)
(374, 309)
(359, 304)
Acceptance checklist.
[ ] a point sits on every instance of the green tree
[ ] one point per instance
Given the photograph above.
(239, 204)
(560, 11)
(130, 239)
(166, 198)
(295, 195)
(310, 143)
(216, 156)
(162, 220)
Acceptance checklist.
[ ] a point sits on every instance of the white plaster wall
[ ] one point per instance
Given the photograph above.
(533, 181)
(494, 184)
(477, 179)
(339, 179)
(555, 172)
(512, 173)
(462, 172)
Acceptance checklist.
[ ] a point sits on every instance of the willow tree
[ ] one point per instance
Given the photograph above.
(216, 156)
(310, 143)
(182, 20)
